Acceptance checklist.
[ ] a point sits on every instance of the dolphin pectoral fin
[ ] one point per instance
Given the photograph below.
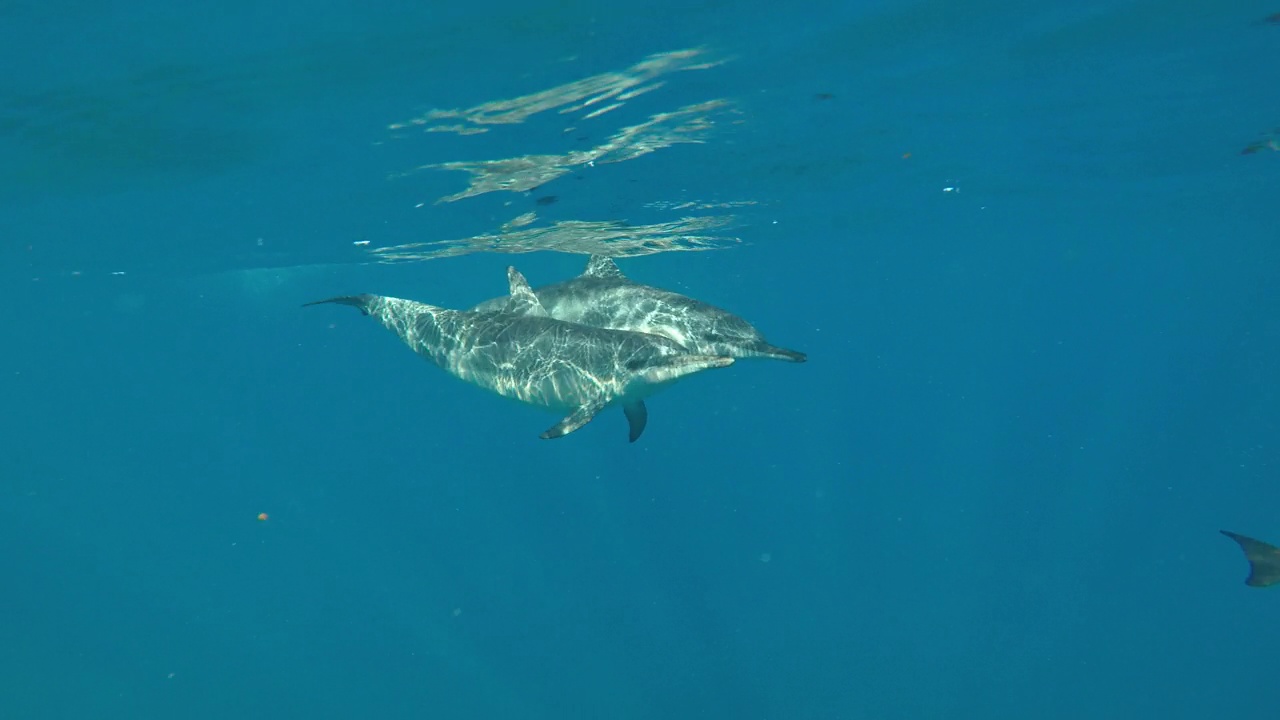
(637, 417)
(1264, 560)
(574, 420)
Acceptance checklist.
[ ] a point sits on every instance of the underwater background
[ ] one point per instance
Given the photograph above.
(1030, 249)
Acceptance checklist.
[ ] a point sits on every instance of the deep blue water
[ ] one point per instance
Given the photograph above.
(1034, 273)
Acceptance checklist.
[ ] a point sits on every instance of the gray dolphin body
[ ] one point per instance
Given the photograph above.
(1264, 560)
(521, 353)
(605, 298)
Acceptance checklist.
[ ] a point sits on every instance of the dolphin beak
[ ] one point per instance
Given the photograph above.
(673, 368)
(773, 351)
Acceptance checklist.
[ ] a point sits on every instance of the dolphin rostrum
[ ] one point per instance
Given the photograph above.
(603, 297)
(1264, 560)
(521, 353)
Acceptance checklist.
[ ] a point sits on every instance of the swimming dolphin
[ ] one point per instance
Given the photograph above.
(1264, 560)
(521, 353)
(603, 297)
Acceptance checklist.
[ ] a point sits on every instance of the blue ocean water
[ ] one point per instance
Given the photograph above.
(1029, 248)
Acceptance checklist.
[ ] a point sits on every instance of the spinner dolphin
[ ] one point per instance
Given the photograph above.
(605, 298)
(518, 351)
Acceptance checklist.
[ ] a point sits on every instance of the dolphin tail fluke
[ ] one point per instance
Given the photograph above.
(359, 302)
(1264, 560)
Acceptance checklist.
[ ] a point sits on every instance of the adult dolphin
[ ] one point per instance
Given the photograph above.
(603, 297)
(519, 352)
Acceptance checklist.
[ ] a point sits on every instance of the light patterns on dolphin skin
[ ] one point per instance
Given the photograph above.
(603, 297)
(538, 360)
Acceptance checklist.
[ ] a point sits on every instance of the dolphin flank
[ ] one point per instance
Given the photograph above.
(1264, 560)
(521, 353)
(605, 298)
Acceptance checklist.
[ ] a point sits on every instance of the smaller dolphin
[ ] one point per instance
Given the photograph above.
(1264, 560)
(603, 297)
(517, 351)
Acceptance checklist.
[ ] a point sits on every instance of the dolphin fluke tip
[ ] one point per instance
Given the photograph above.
(359, 302)
(1264, 560)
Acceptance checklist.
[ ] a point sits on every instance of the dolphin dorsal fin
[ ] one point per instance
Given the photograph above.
(522, 300)
(602, 267)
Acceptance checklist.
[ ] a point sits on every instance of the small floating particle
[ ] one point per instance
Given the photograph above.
(906, 156)
(262, 517)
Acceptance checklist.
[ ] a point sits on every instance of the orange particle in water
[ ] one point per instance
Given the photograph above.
(906, 156)
(262, 517)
